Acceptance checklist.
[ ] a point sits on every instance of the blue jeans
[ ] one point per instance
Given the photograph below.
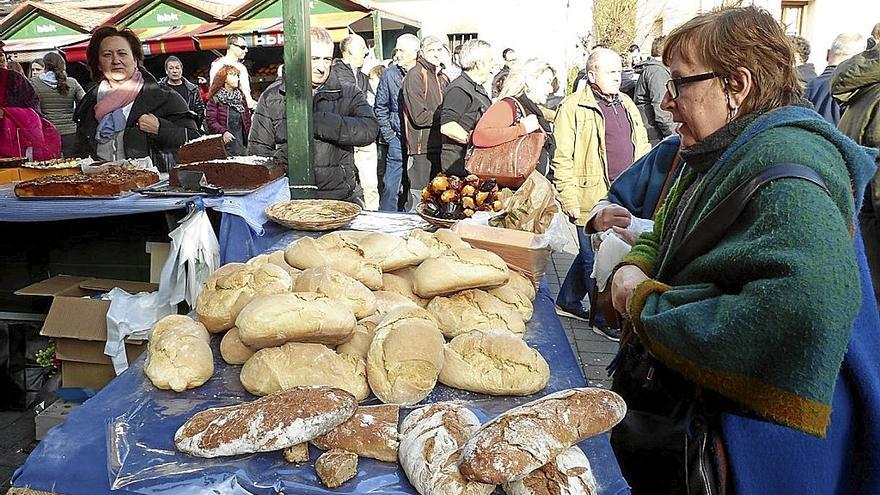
(393, 173)
(578, 284)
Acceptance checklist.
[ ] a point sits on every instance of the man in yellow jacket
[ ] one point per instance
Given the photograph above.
(599, 134)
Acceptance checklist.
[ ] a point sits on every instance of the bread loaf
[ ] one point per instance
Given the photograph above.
(336, 252)
(440, 241)
(569, 473)
(298, 453)
(293, 365)
(359, 343)
(336, 467)
(387, 301)
(371, 432)
(400, 281)
(457, 270)
(179, 354)
(405, 357)
(430, 444)
(474, 310)
(228, 290)
(514, 300)
(275, 258)
(493, 362)
(270, 321)
(232, 349)
(274, 422)
(339, 286)
(392, 252)
(525, 438)
(521, 284)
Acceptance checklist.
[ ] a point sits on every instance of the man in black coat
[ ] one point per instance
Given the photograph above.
(649, 92)
(188, 91)
(341, 120)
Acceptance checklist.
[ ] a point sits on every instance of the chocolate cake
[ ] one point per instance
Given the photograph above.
(113, 182)
(235, 173)
(202, 149)
(12, 162)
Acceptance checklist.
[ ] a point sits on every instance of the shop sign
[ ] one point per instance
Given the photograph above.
(41, 26)
(163, 16)
(269, 39)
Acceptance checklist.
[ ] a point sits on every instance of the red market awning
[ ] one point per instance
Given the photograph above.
(270, 31)
(155, 41)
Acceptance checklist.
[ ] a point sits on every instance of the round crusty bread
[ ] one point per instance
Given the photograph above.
(293, 364)
(337, 285)
(392, 252)
(275, 258)
(228, 290)
(431, 440)
(371, 432)
(387, 301)
(474, 310)
(232, 349)
(521, 284)
(514, 300)
(337, 252)
(400, 281)
(270, 321)
(398, 371)
(459, 269)
(440, 241)
(359, 343)
(179, 354)
(495, 363)
(527, 437)
(568, 473)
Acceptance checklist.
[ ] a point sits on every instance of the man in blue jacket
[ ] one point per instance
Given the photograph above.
(818, 90)
(388, 111)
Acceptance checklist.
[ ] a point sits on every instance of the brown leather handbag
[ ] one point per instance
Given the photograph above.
(508, 163)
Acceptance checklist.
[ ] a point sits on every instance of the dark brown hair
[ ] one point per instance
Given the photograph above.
(746, 37)
(93, 52)
(220, 80)
(53, 62)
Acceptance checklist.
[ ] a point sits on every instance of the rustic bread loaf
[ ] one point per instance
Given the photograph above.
(371, 432)
(459, 269)
(400, 281)
(392, 252)
(228, 290)
(493, 362)
(337, 285)
(569, 473)
(293, 365)
(270, 321)
(275, 258)
(359, 343)
(474, 310)
(387, 301)
(521, 284)
(430, 444)
(274, 422)
(336, 467)
(525, 438)
(232, 349)
(298, 453)
(440, 241)
(405, 357)
(179, 354)
(514, 300)
(336, 252)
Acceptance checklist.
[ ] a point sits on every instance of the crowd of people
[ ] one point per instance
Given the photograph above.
(745, 316)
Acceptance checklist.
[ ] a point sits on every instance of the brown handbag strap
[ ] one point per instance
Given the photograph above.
(667, 183)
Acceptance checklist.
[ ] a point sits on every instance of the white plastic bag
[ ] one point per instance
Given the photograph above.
(131, 316)
(194, 255)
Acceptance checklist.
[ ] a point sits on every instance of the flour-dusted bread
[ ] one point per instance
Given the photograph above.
(335, 251)
(494, 362)
(514, 300)
(521, 284)
(274, 422)
(459, 269)
(270, 321)
(405, 357)
(474, 309)
(392, 252)
(440, 241)
(179, 354)
(275, 258)
(298, 453)
(359, 343)
(336, 467)
(568, 474)
(525, 438)
(337, 285)
(228, 290)
(371, 432)
(232, 349)
(387, 301)
(430, 444)
(293, 365)
(401, 282)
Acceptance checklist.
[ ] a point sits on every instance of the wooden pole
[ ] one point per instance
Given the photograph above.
(298, 100)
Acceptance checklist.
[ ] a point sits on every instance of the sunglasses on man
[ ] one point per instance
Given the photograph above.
(243, 47)
(673, 86)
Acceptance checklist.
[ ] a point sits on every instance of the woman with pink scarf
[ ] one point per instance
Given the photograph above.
(128, 114)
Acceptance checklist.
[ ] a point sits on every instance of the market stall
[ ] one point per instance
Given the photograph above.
(35, 28)
(122, 440)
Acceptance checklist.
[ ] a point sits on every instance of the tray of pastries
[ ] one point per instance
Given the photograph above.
(12, 161)
(113, 183)
(54, 164)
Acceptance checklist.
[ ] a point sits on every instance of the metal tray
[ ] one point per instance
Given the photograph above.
(118, 196)
(162, 188)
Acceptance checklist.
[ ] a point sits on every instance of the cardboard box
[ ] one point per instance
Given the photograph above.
(514, 247)
(78, 325)
(33, 173)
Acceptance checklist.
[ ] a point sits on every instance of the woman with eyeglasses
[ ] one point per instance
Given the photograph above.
(235, 52)
(227, 113)
(751, 361)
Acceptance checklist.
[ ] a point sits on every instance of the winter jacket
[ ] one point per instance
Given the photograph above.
(649, 92)
(177, 123)
(389, 101)
(579, 163)
(819, 94)
(193, 100)
(341, 120)
(806, 73)
(423, 89)
(346, 76)
(19, 92)
(56, 107)
(218, 114)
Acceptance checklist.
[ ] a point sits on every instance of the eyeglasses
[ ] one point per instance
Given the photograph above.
(243, 47)
(673, 86)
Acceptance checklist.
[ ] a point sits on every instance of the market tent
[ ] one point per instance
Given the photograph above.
(270, 31)
(155, 40)
(35, 28)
